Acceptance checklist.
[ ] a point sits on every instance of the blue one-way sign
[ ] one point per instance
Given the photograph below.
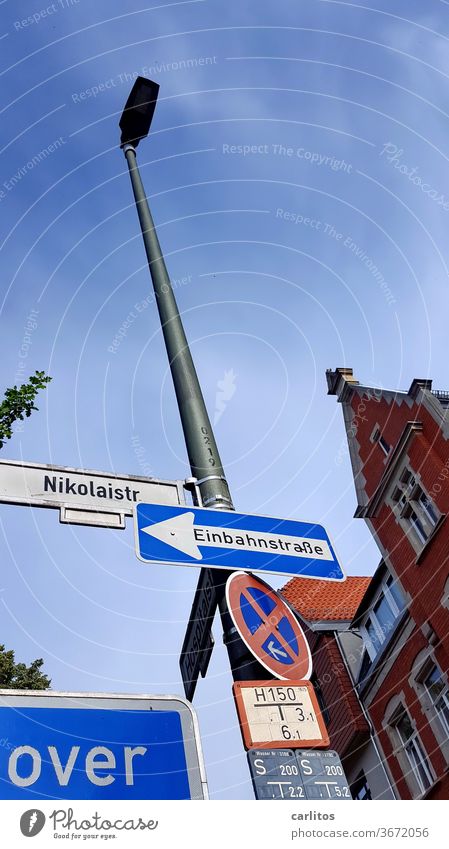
(93, 746)
(227, 540)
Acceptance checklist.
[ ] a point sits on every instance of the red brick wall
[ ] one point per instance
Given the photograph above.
(395, 683)
(347, 726)
(428, 452)
(424, 582)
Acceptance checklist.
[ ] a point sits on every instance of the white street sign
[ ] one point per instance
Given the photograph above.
(278, 714)
(181, 533)
(224, 539)
(83, 496)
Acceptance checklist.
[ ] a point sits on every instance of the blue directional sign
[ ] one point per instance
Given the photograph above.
(226, 540)
(77, 746)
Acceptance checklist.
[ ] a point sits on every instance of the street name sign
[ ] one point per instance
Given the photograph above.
(274, 714)
(198, 642)
(268, 627)
(97, 746)
(82, 496)
(288, 774)
(223, 539)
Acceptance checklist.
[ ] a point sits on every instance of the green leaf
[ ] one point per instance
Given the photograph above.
(18, 403)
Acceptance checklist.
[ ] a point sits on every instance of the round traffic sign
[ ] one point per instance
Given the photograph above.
(268, 627)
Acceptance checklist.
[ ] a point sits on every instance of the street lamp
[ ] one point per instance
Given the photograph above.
(201, 446)
(202, 450)
(138, 112)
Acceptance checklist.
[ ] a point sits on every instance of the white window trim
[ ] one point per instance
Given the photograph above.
(422, 667)
(396, 707)
(384, 591)
(416, 524)
(444, 696)
(376, 438)
(375, 429)
(426, 510)
(402, 513)
(419, 758)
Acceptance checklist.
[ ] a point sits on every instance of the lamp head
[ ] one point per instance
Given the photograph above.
(138, 112)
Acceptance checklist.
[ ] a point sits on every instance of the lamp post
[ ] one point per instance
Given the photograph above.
(202, 449)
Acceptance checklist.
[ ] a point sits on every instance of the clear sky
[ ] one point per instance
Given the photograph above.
(298, 174)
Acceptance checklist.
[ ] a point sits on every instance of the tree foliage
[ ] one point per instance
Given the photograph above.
(18, 676)
(19, 402)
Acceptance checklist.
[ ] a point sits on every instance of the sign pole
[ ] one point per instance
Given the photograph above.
(204, 458)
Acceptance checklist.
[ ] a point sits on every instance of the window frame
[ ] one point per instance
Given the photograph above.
(444, 695)
(377, 439)
(418, 519)
(402, 750)
(381, 635)
(357, 785)
(425, 661)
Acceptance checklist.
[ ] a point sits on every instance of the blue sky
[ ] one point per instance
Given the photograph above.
(324, 245)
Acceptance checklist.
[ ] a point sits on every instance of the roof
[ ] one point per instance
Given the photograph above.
(326, 600)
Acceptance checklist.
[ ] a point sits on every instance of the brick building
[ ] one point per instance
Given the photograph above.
(399, 451)
(326, 611)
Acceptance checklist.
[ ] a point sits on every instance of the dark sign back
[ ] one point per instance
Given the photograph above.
(297, 774)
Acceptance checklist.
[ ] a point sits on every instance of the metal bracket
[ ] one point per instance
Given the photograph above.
(216, 499)
(212, 478)
(191, 485)
(220, 500)
(68, 514)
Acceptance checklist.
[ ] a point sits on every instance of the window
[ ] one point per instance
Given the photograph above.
(374, 639)
(365, 665)
(438, 692)
(414, 507)
(432, 690)
(385, 615)
(427, 507)
(359, 788)
(413, 750)
(417, 525)
(379, 439)
(380, 623)
(395, 592)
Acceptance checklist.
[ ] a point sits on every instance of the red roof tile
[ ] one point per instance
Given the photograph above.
(326, 600)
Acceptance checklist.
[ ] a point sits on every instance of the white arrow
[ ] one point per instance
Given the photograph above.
(272, 649)
(180, 532)
(177, 532)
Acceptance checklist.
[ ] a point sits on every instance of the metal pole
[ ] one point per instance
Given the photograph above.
(202, 450)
